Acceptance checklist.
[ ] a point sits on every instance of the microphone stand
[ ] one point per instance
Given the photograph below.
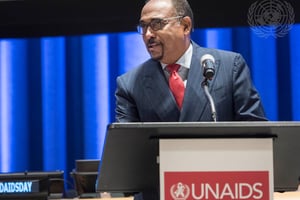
(210, 99)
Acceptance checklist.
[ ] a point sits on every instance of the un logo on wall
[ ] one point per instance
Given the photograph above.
(271, 18)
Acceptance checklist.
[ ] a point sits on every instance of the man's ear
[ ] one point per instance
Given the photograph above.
(187, 24)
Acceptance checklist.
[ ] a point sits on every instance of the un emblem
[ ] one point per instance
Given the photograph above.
(180, 191)
(271, 18)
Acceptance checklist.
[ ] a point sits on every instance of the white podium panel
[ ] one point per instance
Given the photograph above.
(216, 169)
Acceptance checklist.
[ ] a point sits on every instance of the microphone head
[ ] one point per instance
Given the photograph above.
(208, 64)
(207, 57)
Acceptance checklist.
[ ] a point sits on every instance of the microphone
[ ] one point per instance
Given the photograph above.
(208, 64)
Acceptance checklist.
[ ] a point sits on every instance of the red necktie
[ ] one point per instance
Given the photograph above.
(176, 83)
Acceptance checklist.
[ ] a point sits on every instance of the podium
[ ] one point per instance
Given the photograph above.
(236, 159)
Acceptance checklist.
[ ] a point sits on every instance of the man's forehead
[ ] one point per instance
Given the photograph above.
(156, 9)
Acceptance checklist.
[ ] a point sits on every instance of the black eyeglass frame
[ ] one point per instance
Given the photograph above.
(155, 24)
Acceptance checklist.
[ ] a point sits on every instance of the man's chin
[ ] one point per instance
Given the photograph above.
(156, 57)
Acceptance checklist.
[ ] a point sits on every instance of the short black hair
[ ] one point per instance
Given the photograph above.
(182, 8)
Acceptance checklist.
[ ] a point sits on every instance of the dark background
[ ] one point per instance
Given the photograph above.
(20, 18)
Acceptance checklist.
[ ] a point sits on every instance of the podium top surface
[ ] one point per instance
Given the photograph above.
(208, 129)
(250, 124)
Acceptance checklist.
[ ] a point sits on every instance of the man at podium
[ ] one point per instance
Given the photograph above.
(170, 86)
(144, 95)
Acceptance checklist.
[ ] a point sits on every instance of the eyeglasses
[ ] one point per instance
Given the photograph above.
(155, 24)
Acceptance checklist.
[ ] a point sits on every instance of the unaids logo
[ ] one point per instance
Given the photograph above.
(217, 185)
(180, 191)
(271, 18)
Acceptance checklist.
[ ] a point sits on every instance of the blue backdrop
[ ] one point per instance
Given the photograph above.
(57, 93)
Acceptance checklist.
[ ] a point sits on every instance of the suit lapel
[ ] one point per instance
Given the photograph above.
(192, 108)
(195, 102)
(158, 94)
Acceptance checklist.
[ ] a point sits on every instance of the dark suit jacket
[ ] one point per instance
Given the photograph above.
(143, 93)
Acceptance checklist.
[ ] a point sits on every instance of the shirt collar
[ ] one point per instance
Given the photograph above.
(185, 60)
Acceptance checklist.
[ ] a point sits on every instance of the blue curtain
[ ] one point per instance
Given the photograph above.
(57, 93)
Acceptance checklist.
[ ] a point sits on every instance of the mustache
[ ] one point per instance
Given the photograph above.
(151, 42)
